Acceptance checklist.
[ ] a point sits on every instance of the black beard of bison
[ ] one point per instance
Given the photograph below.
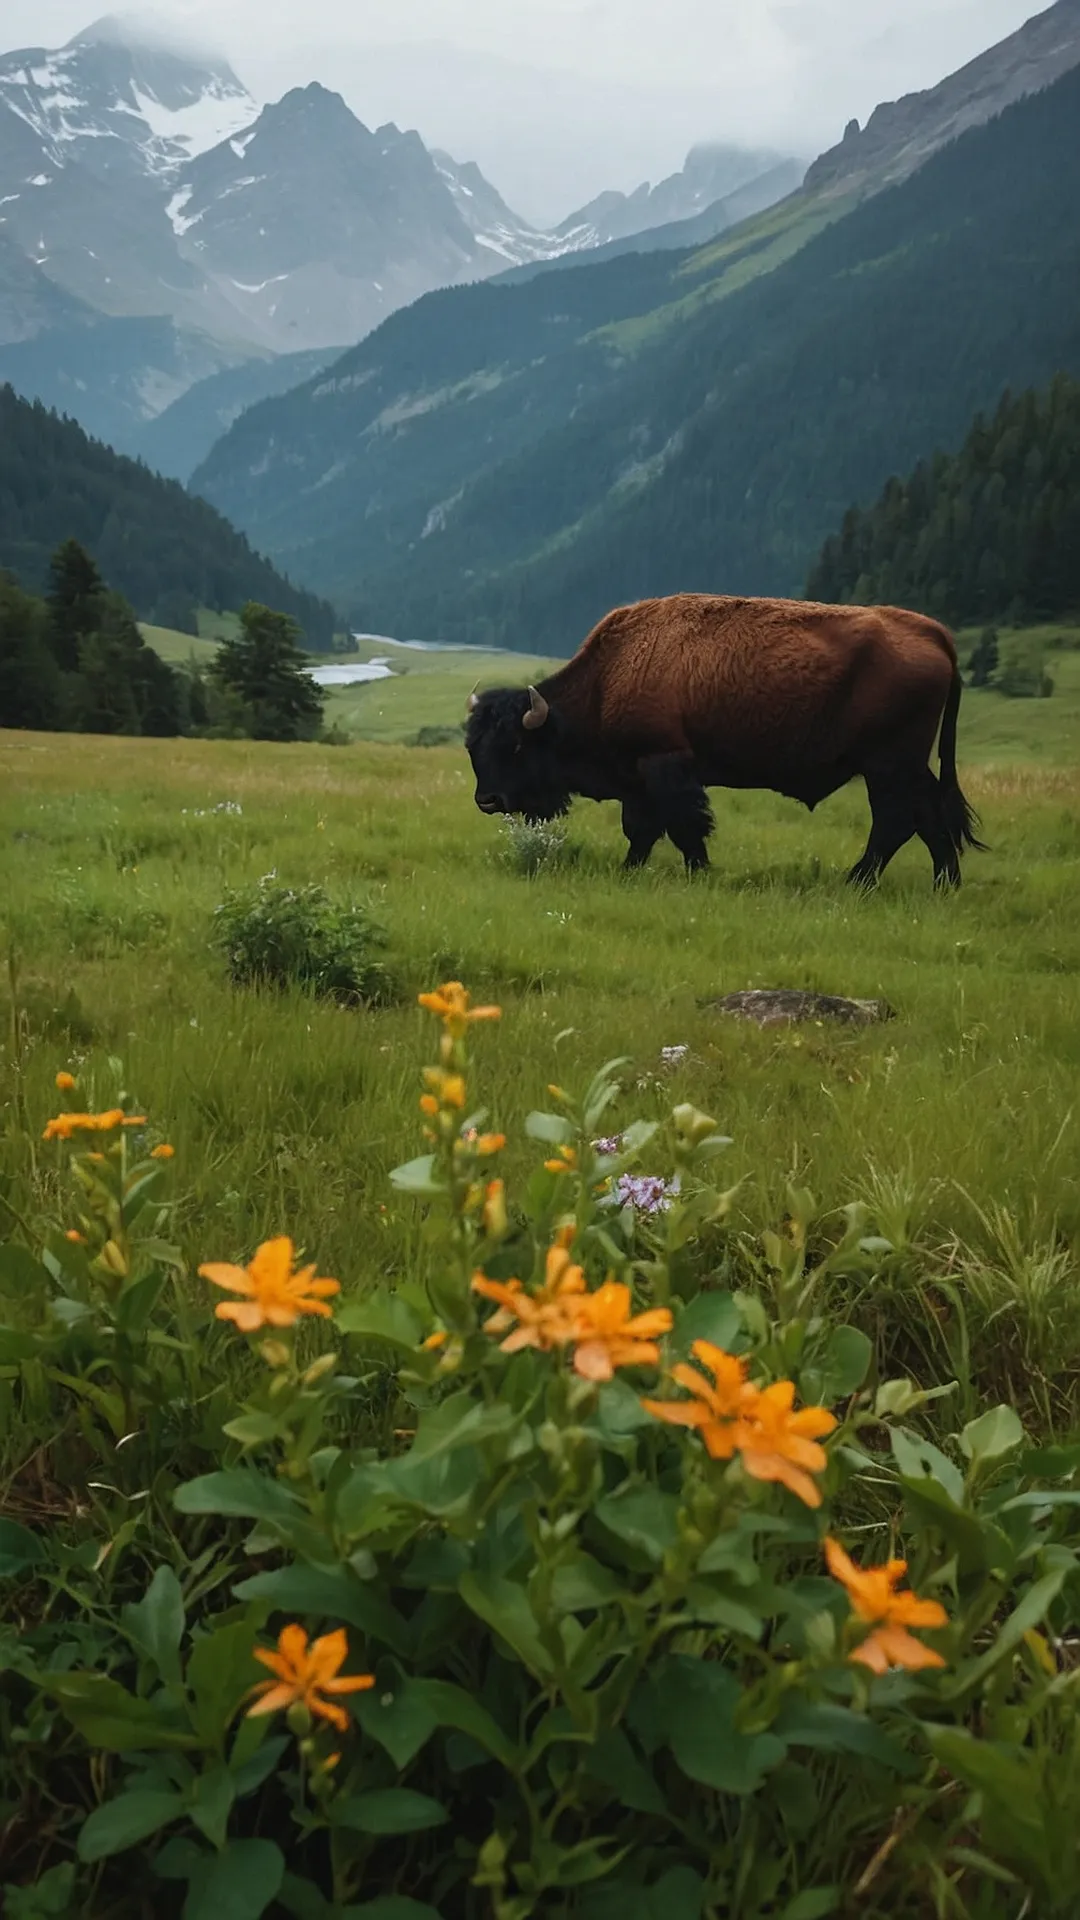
(670, 697)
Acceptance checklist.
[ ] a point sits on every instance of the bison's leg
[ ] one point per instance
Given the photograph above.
(642, 829)
(682, 804)
(892, 805)
(932, 826)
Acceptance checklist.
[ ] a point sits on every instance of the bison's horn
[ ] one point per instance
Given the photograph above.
(538, 710)
(472, 702)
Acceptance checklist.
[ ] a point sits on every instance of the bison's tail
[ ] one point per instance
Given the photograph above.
(960, 817)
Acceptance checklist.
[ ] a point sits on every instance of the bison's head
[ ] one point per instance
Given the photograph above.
(514, 742)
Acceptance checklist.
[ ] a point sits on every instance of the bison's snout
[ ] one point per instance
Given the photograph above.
(489, 803)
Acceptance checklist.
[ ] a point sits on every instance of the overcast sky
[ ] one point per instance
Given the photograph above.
(559, 98)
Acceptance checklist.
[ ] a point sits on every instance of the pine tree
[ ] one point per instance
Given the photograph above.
(31, 687)
(75, 602)
(265, 666)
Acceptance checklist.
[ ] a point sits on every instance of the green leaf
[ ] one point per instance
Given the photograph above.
(239, 1883)
(49, 1898)
(612, 1760)
(920, 1460)
(1031, 1613)
(252, 1429)
(109, 1717)
(619, 1410)
(389, 1810)
(1007, 1779)
(240, 1495)
(994, 1434)
(331, 1594)
(833, 1729)
(504, 1606)
(123, 1822)
(16, 1346)
(550, 1128)
(382, 1315)
(417, 1176)
(458, 1422)
(642, 1516)
(137, 1302)
(582, 1584)
(397, 1715)
(814, 1904)
(19, 1549)
(155, 1625)
(221, 1669)
(699, 1703)
(451, 1706)
(212, 1803)
(1041, 1499)
(711, 1316)
(843, 1368)
(21, 1274)
(391, 1906)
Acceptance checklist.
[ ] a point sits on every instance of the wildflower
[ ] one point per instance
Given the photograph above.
(429, 1105)
(718, 1406)
(645, 1192)
(609, 1146)
(608, 1337)
(305, 1673)
(275, 1296)
(164, 1152)
(434, 1341)
(494, 1214)
(545, 1319)
(66, 1125)
(673, 1057)
(78, 1239)
(65, 1082)
(490, 1144)
(563, 1161)
(448, 1088)
(450, 1003)
(777, 1444)
(875, 1600)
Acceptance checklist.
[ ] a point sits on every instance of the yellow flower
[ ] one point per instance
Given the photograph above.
(778, 1444)
(875, 1600)
(494, 1215)
(717, 1406)
(164, 1152)
(304, 1673)
(68, 1124)
(564, 1161)
(275, 1296)
(450, 1003)
(65, 1082)
(448, 1089)
(609, 1337)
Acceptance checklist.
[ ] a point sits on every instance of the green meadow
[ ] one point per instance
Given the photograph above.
(956, 1121)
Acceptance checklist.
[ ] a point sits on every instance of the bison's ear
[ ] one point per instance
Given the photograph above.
(538, 710)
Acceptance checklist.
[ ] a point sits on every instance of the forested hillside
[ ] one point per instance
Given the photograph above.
(166, 552)
(994, 529)
(709, 444)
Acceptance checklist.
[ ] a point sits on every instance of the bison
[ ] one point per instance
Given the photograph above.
(669, 697)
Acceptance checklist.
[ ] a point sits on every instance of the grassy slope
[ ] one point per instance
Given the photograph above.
(290, 1115)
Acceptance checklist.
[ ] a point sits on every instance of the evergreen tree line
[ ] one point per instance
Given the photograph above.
(990, 533)
(167, 551)
(75, 661)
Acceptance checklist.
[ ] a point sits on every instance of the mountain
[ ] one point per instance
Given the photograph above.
(176, 441)
(710, 173)
(168, 553)
(902, 135)
(509, 461)
(976, 535)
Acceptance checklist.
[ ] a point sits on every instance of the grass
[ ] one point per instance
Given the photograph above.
(960, 1115)
(429, 689)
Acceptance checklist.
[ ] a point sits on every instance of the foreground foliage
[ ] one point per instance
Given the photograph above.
(589, 1605)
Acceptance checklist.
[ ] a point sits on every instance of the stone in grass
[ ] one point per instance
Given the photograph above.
(789, 1007)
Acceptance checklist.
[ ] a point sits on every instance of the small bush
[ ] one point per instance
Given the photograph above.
(275, 935)
(439, 737)
(530, 847)
(336, 735)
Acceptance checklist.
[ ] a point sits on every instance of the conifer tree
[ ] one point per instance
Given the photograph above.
(75, 602)
(265, 666)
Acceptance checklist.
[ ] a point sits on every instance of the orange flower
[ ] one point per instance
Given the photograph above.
(489, 1144)
(494, 1215)
(608, 1337)
(304, 1674)
(78, 1239)
(65, 1082)
(67, 1124)
(164, 1152)
(717, 1407)
(434, 1341)
(565, 1161)
(429, 1105)
(275, 1296)
(776, 1443)
(875, 1600)
(450, 1003)
(545, 1319)
(447, 1088)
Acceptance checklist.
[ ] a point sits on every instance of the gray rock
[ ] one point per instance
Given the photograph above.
(789, 1007)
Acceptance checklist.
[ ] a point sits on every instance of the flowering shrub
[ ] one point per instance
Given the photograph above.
(612, 1626)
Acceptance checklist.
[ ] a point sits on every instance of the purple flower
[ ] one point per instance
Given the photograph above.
(609, 1146)
(646, 1192)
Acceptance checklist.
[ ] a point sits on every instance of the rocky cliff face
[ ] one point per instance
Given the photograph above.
(902, 135)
